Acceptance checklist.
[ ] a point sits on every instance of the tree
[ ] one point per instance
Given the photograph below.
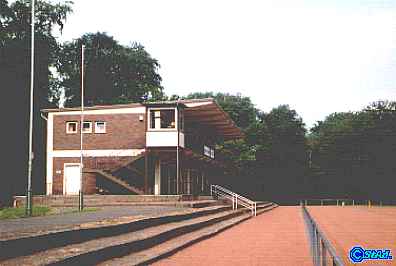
(281, 156)
(353, 152)
(15, 20)
(271, 159)
(240, 108)
(113, 73)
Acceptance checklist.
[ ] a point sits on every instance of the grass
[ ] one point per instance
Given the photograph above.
(86, 209)
(20, 212)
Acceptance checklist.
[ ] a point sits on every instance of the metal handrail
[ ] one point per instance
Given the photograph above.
(234, 197)
(344, 202)
(320, 245)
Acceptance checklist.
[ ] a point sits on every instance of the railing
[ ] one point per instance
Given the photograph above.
(320, 246)
(346, 202)
(219, 191)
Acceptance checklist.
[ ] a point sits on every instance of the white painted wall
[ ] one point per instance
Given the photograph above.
(163, 139)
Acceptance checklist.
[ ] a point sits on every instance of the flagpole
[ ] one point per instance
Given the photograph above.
(29, 184)
(81, 196)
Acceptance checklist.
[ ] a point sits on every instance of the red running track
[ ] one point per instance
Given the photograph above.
(345, 227)
(277, 237)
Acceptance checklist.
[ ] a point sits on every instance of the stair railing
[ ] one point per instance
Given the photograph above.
(219, 191)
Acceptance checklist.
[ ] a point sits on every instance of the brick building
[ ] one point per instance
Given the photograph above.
(149, 148)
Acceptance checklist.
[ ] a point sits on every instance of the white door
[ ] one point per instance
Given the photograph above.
(72, 179)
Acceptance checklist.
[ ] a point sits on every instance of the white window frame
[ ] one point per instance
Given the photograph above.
(209, 151)
(159, 109)
(97, 130)
(89, 130)
(67, 127)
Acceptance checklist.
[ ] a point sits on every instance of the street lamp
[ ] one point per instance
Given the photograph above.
(80, 194)
(29, 184)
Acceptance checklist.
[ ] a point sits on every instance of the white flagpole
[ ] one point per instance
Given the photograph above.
(29, 184)
(81, 198)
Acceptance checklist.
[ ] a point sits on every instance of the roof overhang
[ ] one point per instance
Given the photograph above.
(207, 112)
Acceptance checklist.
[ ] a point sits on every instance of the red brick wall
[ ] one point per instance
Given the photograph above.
(89, 179)
(123, 131)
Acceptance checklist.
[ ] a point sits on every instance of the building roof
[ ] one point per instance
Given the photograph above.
(208, 112)
(205, 111)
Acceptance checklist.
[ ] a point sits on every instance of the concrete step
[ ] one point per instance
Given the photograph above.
(183, 204)
(266, 208)
(12, 248)
(104, 200)
(101, 249)
(262, 205)
(166, 249)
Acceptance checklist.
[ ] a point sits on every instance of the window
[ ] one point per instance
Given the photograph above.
(100, 127)
(155, 117)
(208, 151)
(71, 127)
(87, 127)
(168, 119)
(162, 119)
(181, 120)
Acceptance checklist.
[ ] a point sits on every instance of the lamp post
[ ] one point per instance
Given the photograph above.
(29, 183)
(80, 193)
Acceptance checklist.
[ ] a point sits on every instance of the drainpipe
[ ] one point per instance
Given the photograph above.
(46, 162)
(43, 117)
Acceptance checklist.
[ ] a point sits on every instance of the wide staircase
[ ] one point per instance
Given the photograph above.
(137, 242)
(126, 178)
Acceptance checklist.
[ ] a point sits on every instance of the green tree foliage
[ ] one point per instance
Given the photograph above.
(352, 153)
(243, 112)
(284, 133)
(271, 159)
(113, 73)
(281, 157)
(15, 21)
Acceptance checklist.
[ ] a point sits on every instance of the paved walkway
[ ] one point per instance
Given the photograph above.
(277, 237)
(347, 227)
(26, 226)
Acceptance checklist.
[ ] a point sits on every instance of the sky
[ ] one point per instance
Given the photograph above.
(318, 57)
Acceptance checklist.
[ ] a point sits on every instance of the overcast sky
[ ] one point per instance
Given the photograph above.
(317, 56)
